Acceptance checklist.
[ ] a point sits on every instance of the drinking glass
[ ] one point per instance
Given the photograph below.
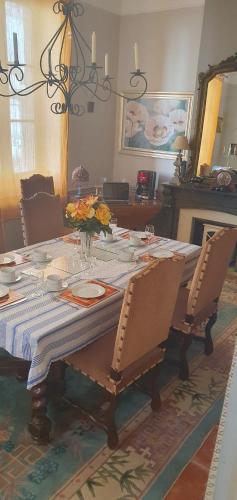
(150, 231)
(76, 245)
(113, 223)
(38, 278)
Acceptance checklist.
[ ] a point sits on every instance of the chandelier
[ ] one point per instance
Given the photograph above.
(59, 78)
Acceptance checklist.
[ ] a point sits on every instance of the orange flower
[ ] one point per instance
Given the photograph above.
(103, 214)
(90, 200)
(70, 208)
(84, 211)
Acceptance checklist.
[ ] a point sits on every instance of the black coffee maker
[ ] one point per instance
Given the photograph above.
(146, 180)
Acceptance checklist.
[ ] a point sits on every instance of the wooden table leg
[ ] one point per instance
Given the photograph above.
(56, 383)
(40, 425)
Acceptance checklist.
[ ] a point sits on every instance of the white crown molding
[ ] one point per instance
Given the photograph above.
(146, 6)
(126, 7)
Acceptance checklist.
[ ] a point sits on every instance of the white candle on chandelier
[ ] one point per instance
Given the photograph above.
(15, 47)
(106, 65)
(136, 56)
(93, 48)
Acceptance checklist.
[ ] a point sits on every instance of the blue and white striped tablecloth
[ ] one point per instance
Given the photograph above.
(45, 329)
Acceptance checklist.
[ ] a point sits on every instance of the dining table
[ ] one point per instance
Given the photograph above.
(42, 329)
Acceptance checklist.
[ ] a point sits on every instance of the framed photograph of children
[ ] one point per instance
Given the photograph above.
(150, 125)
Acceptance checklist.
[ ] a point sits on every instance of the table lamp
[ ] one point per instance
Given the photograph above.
(180, 143)
(79, 176)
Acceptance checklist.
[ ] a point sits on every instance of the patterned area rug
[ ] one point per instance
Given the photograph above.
(154, 447)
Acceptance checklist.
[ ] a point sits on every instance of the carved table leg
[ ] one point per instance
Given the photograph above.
(56, 382)
(40, 425)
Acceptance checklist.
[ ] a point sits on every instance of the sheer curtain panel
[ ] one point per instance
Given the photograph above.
(32, 139)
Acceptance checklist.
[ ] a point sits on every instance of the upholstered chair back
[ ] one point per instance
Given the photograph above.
(147, 311)
(37, 183)
(211, 270)
(42, 218)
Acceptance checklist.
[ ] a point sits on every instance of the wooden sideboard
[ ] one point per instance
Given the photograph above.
(135, 215)
(132, 215)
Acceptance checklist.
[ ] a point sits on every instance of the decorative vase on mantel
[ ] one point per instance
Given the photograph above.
(86, 245)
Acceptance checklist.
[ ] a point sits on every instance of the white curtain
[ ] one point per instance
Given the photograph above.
(32, 139)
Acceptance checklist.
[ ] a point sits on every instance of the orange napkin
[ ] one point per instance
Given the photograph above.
(19, 259)
(109, 290)
(146, 257)
(12, 297)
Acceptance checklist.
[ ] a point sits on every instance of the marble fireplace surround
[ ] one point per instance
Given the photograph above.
(186, 216)
(184, 204)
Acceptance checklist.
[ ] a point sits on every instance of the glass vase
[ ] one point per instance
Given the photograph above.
(86, 245)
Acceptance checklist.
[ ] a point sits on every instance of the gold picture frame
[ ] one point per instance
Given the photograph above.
(150, 125)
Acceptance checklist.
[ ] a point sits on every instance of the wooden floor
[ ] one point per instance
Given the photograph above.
(192, 481)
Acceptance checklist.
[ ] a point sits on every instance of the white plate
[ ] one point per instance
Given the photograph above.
(161, 254)
(137, 244)
(5, 260)
(110, 241)
(41, 261)
(88, 291)
(64, 287)
(140, 234)
(133, 259)
(18, 278)
(4, 291)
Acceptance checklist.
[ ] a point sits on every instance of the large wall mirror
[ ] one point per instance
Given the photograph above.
(215, 142)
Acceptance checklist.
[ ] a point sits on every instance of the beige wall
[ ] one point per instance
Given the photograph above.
(219, 35)
(91, 136)
(169, 48)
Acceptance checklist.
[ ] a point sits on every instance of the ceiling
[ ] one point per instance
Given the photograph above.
(125, 7)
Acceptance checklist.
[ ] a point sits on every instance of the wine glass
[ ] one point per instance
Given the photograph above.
(38, 277)
(113, 223)
(150, 231)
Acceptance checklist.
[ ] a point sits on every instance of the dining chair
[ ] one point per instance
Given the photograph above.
(37, 183)
(123, 355)
(42, 218)
(197, 303)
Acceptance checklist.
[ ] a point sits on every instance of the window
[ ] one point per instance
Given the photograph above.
(22, 119)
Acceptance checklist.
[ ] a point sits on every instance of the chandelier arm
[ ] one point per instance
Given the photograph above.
(82, 38)
(134, 83)
(58, 87)
(63, 69)
(94, 94)
(51, 44)
(77, 44)
(27, 90)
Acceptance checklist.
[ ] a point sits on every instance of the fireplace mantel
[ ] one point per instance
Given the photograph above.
(176, 198)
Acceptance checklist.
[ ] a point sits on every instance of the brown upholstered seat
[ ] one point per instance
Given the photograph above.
(37, 183)
(120, 357)
(199, 302)
(42, 218)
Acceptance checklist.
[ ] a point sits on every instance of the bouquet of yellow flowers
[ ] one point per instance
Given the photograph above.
(89, 215)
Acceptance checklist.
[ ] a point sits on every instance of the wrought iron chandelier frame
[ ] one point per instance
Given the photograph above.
(68, 79)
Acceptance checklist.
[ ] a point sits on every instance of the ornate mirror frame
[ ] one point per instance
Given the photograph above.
(229, 65)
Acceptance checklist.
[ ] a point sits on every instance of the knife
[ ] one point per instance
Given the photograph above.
(13, 303)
